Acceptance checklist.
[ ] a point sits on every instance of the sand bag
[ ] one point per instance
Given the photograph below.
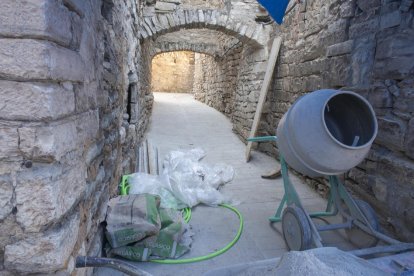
(132, 218)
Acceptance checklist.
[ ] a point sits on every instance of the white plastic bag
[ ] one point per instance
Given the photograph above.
(141, 183)
(186, 179)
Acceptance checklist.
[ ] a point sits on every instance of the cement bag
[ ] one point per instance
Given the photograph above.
(134, 253)
(169, 242)
(132, 218)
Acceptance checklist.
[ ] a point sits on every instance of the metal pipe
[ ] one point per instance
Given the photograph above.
(329, 227)
(323, 214)
(395, 248)
(375, 233)
(123, 266)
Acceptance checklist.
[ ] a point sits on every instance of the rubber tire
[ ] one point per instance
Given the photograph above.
(358, 237)
(296, 229)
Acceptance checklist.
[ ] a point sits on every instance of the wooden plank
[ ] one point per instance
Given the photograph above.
(157, 162)
(152, 159)
(141, 159)
(146, 160)
(274, 53)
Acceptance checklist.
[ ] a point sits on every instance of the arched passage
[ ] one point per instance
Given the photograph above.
(230, 60)
(157, 25)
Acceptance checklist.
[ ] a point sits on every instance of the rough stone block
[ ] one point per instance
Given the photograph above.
(394, 67)
(49, 143)
(347, 9)
(340, 48)
(395, 45)
(395, 54)
(86, 96)
(177, 2)
(44, 253)
(391, 19)
(380, 97)
(391, 132)
(80, 6)
(365, 28)
(47, 19)
(52, 142)
(366, 5)
(11, 232)
(158, 26)
(338, 73)
(380, 189)
(362, 61)
(35, 101)
(45, 193)
(396, 168)
(25, 59)
(406, 5)
(87, 127)
(9, 141)
(164, 6)
(409, 139)
(164, 21)
(6, 194)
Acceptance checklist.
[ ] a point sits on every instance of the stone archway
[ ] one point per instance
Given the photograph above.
(152, 27)
(165, 47)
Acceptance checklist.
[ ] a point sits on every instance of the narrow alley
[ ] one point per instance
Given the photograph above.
(180, 122)
(85, 85)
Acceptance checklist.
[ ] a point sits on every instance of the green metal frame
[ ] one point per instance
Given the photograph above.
(291, 197)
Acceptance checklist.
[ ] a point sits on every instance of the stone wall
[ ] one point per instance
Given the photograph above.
(215, 80)
(173, 72)
(72, 111)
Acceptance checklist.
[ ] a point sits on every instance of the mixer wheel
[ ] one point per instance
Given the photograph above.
(359, 237)
(296, 229)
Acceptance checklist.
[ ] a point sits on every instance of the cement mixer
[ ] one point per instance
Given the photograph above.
(326, 133)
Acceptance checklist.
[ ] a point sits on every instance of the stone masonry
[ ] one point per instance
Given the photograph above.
(173, 72)
(72, 112)
(216, 79)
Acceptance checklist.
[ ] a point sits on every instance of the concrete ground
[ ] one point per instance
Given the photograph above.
(180, 122)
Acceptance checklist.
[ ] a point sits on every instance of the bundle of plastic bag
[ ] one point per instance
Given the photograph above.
(186, 180)
(141, 183)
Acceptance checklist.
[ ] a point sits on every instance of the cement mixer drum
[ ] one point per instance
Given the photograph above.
(327, 132)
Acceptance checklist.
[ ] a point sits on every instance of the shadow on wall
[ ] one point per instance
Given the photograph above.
(173, 72)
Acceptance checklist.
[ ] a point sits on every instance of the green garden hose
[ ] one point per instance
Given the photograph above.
(214, 254)
(124, 189)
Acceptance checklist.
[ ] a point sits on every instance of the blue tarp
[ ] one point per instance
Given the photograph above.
(276, 8)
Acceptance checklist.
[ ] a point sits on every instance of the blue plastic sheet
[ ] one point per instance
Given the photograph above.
(276, 8)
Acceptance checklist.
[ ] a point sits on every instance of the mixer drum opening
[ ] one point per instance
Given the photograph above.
(349, 120)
